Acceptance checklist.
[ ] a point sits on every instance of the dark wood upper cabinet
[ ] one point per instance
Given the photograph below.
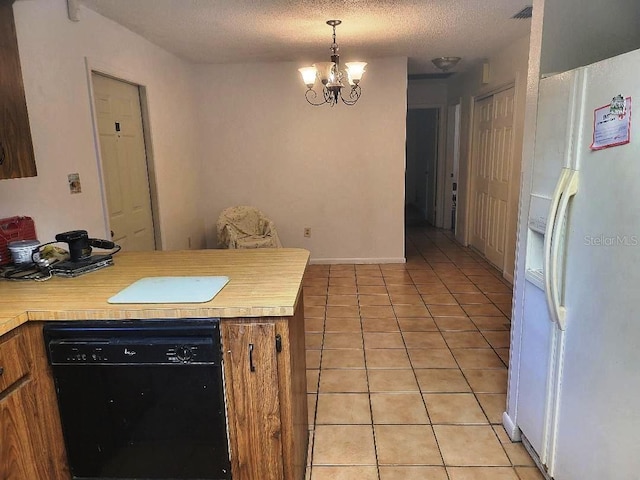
(16, 149)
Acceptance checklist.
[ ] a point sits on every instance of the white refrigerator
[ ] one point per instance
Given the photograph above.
(575, 367)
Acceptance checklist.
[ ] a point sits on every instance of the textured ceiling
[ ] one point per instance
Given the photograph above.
(240, 31)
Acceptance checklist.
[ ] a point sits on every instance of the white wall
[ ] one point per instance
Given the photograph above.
(577, 33)
(52, 52)
(510, 419)
(508, 66)
(339, 171)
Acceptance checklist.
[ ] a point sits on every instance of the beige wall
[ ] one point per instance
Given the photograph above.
(339, 171)
(244, 135)
(507, 67)
(577, 33)
(53, 51)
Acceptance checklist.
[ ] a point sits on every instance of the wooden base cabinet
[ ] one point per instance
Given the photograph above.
(31, 445)
(265, 385)
(17, 395)
(252, 389)
(18, 459)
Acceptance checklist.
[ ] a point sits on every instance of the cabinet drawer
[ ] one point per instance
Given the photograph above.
(14, 362)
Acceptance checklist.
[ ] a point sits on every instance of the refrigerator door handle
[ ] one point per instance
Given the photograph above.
(571, 188)
(548, 241)
(568, 185)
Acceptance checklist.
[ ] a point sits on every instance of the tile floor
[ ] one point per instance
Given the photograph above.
(407, 368)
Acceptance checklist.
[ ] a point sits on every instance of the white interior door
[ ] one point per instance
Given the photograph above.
(491, 171)
(124, 163)
(480, 168)
(499, 175)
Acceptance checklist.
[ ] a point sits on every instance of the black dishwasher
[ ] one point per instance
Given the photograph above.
(141, 399)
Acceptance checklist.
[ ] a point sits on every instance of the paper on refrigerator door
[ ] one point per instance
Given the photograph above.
(612, 124)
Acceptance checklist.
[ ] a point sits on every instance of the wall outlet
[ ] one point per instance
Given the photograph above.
(307, 231)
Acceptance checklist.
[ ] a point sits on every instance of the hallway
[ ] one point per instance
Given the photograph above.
(407, 368)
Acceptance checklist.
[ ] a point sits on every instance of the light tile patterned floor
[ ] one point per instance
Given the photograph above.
(407, 368)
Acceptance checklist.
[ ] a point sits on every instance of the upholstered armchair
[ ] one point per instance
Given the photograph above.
(246, 227)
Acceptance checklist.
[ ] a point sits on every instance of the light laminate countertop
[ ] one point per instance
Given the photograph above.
(262, 283)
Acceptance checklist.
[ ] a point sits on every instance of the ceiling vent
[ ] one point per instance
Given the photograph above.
(524, 13)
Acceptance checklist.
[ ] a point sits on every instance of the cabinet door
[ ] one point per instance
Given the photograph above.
(16, 449)
(253, 404)
(16, 150)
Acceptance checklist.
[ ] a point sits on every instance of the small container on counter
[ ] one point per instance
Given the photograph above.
(21, 251)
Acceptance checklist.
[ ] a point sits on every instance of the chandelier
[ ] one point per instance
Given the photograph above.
(332, 77)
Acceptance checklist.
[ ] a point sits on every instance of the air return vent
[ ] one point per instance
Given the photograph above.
(524, 13)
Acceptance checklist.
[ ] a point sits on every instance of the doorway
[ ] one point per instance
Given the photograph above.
(123, 154)
(421, 168)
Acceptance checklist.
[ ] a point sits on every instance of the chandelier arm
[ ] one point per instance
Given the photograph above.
(354, 95)
(310, 95)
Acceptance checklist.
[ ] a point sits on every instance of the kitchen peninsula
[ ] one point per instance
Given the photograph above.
(261, 305)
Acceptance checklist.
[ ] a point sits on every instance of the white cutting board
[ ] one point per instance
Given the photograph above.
(171, 290)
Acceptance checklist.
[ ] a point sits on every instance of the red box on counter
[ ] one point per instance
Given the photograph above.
(11, 230)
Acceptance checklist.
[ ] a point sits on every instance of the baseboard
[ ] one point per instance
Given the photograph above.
(508, 277)
(355, 261)
(512, 430)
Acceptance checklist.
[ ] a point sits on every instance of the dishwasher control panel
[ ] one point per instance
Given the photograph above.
(65, 352)
(145, 343)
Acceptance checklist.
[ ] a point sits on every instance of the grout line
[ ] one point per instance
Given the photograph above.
(458, 258)
(475, 394)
